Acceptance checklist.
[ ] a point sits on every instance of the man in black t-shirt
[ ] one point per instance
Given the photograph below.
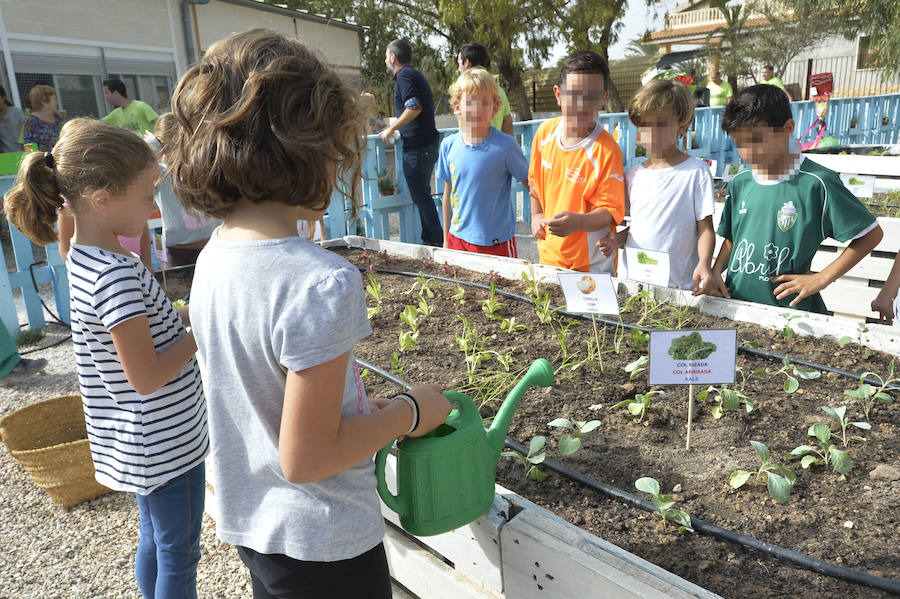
(414, 106)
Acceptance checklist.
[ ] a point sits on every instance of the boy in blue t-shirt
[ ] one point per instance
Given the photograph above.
(477, 165)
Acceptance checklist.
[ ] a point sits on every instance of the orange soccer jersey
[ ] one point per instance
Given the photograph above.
(578, 178)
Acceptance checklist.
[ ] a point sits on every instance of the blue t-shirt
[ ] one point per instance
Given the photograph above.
(480, 177)
(413, 90)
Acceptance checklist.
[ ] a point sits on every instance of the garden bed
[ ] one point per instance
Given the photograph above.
(848, 519)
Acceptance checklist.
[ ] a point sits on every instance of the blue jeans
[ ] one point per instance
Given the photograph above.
(169, 546)
(418, 169)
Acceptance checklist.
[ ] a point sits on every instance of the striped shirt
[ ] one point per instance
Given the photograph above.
(138, 442)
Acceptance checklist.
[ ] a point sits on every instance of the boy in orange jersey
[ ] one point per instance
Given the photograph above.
(577, 186)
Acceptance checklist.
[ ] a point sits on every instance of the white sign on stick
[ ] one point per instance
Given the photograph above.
(862, 186)
(589, 293)
(692, 357)
(647, 266)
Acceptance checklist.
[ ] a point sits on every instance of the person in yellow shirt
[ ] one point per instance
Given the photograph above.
(575, 175)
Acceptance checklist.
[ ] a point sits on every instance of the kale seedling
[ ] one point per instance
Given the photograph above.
(822, 451)
(778, 479)
(840, 415)
(531, 461)
(570, 442)
(637, 367)
(691, 347)
(787, 331)
(791, 383)
(640, 405)
(664, 504)
(640, 338)
(867, 394)
(726, 399)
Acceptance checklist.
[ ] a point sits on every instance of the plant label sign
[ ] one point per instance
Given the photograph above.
(693, 357)
(589, 293)
(647, 266)
(862, 186)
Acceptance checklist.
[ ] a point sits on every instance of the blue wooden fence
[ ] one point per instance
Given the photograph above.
(867, 120)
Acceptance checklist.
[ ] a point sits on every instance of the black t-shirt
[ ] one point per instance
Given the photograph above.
(421, 132)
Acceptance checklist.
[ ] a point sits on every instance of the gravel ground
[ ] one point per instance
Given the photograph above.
(87, 551)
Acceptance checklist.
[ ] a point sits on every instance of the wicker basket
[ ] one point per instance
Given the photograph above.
(49, 440)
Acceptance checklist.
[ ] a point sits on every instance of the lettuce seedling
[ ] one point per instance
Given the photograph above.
(778, 479)
(510, 326)
(410, 316)
(424, 309)
(532, 282)
(531, 461)
(664, 504)
(396, 364)
(408, 340)
(543, 309)
(423, 286)
(570, 442)
(491, 305)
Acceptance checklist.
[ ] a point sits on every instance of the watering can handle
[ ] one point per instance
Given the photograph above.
(465, 408)
(389, 499)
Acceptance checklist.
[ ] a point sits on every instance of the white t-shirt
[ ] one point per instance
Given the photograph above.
(665, 207)
(260, 309)
(138, 442)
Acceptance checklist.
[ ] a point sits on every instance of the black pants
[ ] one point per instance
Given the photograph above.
(281, 577)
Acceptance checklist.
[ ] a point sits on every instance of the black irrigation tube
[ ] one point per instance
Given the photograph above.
(760, 353)
(794, 558)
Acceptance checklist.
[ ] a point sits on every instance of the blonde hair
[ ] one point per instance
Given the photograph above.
(89, 155)
(39, 95)
(471, 81)
(663, 94)
(263, 118)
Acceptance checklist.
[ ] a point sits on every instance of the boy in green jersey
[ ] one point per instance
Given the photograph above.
(778, 212)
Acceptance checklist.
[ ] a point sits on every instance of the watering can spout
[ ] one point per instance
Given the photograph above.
(540, 373)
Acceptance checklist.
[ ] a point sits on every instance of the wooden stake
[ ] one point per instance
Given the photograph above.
(690, 415)
(596, 334)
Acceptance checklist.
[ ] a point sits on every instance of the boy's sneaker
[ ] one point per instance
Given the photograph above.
(26, 366)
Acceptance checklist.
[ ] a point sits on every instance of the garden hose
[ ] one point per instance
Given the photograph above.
(795, 558)
(760, 353)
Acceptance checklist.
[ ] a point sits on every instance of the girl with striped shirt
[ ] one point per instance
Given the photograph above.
(140, 384)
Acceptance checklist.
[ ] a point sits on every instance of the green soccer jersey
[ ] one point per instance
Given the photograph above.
(776, 228)
(137, 117)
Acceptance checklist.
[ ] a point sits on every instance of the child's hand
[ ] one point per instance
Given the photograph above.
(703, 279)
(803, 285)
(608, 244)
(433, 408)
(538, 226)
(563, 223)
(715, 286)
(885, 308)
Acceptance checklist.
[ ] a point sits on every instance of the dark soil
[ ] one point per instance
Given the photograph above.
(851, 520)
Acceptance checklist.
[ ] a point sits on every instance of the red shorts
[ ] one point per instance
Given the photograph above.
(506, 248)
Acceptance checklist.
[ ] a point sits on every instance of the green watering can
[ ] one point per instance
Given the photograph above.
(446, 478)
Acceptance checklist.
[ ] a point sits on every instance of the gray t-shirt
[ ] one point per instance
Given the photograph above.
(260, 309)
(11, 130)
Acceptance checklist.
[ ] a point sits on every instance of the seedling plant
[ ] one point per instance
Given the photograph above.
(786, 331)
(868, 395)
(531, 461)
(640, 404)
(638, 366)
(840, 416)
(492, 305)
(791, 382)
(570, 442)
(532, 283)
(779, 480)
(822, 451)
(665, 509)
(373, 288)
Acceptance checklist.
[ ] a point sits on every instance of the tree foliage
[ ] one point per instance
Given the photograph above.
(518, 34)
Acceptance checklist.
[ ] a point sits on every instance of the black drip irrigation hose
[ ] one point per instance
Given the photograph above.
(789, 556)
(759, 353)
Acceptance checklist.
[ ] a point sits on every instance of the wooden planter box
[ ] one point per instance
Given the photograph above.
(519, 550)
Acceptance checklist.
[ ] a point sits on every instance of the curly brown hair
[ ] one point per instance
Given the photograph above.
(263, 118)
(89, 155)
